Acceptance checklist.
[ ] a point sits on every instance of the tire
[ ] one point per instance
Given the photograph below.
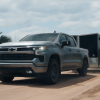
(6, 78)
(83, 71)
(53, 72)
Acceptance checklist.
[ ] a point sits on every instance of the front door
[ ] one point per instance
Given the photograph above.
(65, 54)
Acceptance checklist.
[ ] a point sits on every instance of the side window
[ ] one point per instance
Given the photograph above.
(62, 38)
(71, 41)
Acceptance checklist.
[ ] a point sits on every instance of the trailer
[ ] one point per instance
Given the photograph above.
(92, 43)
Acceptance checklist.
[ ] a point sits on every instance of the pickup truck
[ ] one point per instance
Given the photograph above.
(42, 55)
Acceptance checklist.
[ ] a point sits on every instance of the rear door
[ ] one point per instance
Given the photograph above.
(75, 53)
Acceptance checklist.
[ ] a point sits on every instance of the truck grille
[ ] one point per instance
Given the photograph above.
(4, 49)
(16, 56)
(24, 49)
(18, 49)
(21, 57)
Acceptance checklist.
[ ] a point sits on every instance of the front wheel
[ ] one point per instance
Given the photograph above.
(6, 78)
(83, 71)
(53, 72)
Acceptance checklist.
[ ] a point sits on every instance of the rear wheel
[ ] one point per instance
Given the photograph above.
(6, 78)
(53, 72)
(83, 71)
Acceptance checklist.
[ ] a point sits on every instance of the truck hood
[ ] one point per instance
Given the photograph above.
(26, 43)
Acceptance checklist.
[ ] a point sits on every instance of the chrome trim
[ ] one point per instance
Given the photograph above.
(16, 52)
(35, 61)
(16, 61)
(12, 49)
(19, 46)
(31, 65)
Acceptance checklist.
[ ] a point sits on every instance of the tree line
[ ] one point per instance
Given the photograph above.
(4, 38)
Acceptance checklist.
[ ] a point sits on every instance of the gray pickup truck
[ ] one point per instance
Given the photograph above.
(42, 55)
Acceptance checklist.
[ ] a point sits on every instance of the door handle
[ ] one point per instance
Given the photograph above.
(70, 50)
(78, 50)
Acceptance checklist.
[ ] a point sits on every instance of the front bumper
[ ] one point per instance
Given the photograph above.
(22, 69)
(30, 65)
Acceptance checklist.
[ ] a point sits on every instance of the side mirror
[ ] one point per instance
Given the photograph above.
(65, 43)
(68, 43)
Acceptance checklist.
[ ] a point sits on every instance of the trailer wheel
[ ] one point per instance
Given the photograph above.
(6, 78)
(83, 71)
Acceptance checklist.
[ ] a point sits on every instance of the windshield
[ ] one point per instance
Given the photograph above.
(41, 37)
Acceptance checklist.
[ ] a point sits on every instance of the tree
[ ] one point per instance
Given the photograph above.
(0, 32)
(4, 39)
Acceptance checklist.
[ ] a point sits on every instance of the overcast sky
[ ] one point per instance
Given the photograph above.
(21, 17)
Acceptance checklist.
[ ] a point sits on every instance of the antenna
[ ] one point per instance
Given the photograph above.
(54, 31)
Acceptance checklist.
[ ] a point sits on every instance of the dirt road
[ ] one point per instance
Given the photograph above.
(69, 87)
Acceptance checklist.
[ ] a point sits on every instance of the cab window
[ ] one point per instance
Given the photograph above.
(72, 43)
(62, 38)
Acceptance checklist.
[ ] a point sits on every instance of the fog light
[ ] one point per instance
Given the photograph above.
(29, 72)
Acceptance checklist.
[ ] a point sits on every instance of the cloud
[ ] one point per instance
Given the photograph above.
(68, 24)
(95, 4)
(1, 20)
(71, 16)
(16, 35)
(33, 12)
(95, 24)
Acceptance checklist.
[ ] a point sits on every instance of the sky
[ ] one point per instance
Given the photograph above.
(19, 18)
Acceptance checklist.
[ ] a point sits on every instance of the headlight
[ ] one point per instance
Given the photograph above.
(40, 48)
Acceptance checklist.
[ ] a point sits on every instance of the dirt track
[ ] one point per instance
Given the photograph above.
(69, 87)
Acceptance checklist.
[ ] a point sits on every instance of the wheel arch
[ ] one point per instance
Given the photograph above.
(57, 57)
(86, 58)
